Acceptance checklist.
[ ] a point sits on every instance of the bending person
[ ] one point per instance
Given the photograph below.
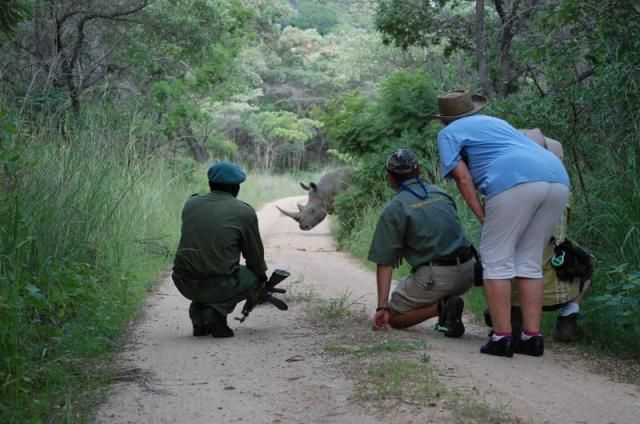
(564, 296)
(526, 189)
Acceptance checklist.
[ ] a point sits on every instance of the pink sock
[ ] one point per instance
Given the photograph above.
(497, 335)
(526, 335)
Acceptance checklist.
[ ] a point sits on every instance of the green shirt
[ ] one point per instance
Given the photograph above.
(216, 229)
(418, 230)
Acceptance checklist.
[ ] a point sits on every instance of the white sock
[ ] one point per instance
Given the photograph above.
(495, 338)
(569, 308)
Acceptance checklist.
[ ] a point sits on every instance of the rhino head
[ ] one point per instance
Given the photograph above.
(320, 202)
(311, 214)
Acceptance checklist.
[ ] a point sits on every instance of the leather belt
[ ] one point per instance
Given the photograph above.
(463, 257)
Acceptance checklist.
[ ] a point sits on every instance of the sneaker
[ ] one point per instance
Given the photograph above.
(217, 323)
(532, 347)
(567, 329)
(453, 317)
(502, 347)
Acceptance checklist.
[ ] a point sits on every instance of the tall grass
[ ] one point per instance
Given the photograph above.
(88, 221)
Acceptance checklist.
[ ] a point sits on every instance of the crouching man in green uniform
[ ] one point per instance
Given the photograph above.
(216, 229)
(421, 225)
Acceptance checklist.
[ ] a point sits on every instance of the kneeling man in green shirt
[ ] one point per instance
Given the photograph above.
(421, 225)
(216, 229)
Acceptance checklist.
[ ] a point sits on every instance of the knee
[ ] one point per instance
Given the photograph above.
(396, 321)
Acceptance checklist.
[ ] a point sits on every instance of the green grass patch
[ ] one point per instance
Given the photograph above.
(337, 311)
(400, 379)
(383, 346)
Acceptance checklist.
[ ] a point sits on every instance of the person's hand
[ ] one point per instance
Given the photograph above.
(398, 262)
(381, 320)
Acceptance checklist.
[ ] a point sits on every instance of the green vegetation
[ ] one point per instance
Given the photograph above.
(400, 379)
(92, 222)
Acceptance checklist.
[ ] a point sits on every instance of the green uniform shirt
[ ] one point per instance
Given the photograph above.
(216, 229)
(418, 230)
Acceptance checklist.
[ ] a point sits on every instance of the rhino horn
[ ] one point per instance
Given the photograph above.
(293, 215)
(300, 207)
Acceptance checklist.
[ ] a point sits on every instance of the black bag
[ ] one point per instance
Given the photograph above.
(571, 261)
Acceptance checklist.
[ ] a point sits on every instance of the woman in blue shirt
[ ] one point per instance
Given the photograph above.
(525, 188)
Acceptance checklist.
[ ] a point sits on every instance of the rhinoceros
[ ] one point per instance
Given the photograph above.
(321, 196)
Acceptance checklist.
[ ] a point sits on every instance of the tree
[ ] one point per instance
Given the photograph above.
(459, 26)
(66, 41)
(12, 13)
(279, 136)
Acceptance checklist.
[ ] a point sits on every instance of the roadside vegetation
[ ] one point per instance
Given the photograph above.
(89, 232)
(110, 112)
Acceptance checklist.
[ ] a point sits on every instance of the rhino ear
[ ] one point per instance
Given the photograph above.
(304, 186)
(314, 186)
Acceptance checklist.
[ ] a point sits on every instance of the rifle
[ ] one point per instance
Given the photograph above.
(265, 294)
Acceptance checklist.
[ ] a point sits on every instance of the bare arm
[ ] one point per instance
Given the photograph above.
(383, 281)
(468, 191)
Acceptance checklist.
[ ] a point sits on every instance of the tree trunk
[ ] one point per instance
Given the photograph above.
(508, 18)
(481, 50)
(199, 152)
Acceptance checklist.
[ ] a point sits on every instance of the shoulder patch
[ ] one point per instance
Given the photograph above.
(194, 194)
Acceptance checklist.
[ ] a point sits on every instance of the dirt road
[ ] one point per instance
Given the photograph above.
(276, 369)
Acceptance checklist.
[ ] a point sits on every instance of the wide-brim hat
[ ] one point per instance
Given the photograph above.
(458, 104)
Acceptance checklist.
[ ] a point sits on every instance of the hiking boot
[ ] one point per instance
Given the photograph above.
(201, 330)
(442, 305)
(502, 347)
(453, 316)
(217, 323)
(532, 347)
(567, 329)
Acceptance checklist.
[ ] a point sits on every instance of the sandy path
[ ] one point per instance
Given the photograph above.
(274, 370)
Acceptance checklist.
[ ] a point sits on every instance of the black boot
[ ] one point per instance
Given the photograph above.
(217, 323)
(567, 329)
(201, 330)
(453, 316)
(442, 306)
(502, 347)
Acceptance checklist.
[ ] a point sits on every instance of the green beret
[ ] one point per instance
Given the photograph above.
(226, 173)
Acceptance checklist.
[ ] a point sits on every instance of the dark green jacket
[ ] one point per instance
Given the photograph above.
(216, 229)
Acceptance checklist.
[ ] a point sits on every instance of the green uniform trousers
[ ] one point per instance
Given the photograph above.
(219, 293)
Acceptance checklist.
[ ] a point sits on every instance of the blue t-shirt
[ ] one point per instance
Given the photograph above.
(499, 156)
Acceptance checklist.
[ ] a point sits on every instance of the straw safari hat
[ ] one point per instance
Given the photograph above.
(458, 104)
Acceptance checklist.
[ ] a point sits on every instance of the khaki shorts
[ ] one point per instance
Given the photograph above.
(428, 284)
(518, 223)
